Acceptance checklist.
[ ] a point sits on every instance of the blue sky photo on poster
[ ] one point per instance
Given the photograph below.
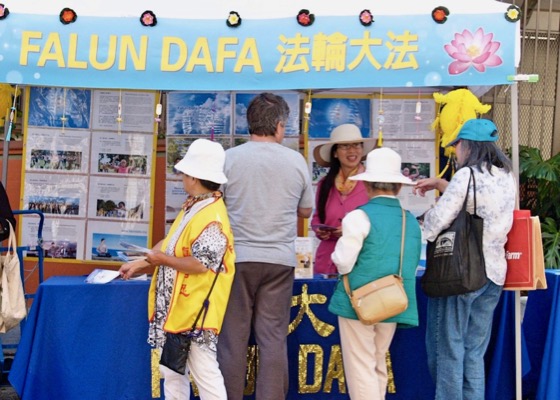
(327, 114)
(191, 113)
(48, 106)
(242, 101)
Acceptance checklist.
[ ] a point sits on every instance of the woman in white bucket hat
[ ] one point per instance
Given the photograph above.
(336, 194)
(199, 245)
(370, 248)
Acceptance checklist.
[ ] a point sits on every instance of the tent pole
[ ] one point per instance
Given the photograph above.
(5, 155)
(515, 162)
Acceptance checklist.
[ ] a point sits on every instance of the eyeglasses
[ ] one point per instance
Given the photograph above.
(348, 146)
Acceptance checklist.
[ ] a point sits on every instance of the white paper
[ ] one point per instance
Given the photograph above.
(137, 110)
(304, 254)
(127, 257)
(143, 277)
(102, 276)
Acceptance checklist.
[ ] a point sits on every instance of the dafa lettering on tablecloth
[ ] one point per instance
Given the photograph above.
(313, 376)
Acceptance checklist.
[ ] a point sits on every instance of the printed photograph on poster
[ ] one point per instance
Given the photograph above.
(61, 195)
(175, 196)
(317, 171)
(122, 164)
(190, 113)
(415, 171)
(418, 161)
(103, 242)
(128, 154)
(177, 147)
(138, 110)
(62, 238)
(54, 204)
(242, 101)
(327, 114)
(59, 107)
(304, 258)
(404, 118)
(113, 198)
(54, 151)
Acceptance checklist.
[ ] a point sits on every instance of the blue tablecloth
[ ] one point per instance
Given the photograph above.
(541, 329)
(85, 341)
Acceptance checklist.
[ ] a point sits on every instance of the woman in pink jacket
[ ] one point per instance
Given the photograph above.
(336, 194)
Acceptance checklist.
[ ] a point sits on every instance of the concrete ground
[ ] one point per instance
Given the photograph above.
(8, 339)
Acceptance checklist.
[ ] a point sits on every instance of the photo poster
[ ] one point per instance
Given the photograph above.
(417, 162)
(317, 171)
(104, 239)
(56, 195)
(404, 116)
(56, 107)
(217, 116)
(242, 101)
(329, 112)
(175, 196)
(61, 237)
(86, 171)
(304, 258)
(199, 114)
(54, 152)
(137, 111)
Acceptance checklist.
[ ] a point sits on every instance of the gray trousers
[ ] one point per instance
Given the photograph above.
(260, 303)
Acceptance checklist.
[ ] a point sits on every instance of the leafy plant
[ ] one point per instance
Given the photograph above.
(540, 192)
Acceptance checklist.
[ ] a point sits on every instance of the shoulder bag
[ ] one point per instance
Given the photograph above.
(455, 261)
(382, 298)
(177, 346)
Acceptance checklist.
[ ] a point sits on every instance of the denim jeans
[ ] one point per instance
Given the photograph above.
(457, 335)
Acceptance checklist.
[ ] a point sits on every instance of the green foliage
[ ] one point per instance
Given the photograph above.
(540, 183)
(551, 243)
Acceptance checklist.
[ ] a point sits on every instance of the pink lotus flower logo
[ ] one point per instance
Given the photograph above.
(476, 50)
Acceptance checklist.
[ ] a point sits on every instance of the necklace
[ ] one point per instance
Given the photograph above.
(343, 184)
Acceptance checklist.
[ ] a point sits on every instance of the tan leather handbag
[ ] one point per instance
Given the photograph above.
(382, 298)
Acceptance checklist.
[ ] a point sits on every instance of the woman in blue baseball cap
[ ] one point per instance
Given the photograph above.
(458, 327)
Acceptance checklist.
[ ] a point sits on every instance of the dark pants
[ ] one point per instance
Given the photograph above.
(260, 300)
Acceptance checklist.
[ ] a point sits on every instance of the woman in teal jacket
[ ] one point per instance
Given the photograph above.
(370, 249)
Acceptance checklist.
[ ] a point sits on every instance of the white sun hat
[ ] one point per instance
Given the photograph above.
(345, 133)
(204, 160)
(383, 165)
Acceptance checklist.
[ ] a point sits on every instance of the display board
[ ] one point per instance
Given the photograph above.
(218, 116)
(88, 166)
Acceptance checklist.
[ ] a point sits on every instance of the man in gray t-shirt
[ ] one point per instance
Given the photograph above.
(268, 188)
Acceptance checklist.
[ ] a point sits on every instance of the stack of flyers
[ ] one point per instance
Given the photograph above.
(130, 256)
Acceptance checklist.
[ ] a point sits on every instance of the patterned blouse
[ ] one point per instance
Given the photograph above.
(495, 202)
(209, 249)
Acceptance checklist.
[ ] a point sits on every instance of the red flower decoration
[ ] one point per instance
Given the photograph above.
(68, 16)
(439, 14)
(305, 18)
(148, 18)
(4, 12)
(366, 19)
